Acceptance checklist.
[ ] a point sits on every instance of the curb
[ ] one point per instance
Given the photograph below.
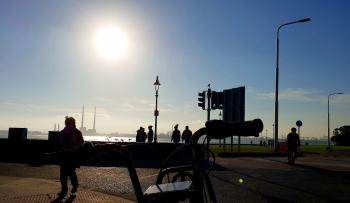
(251, 154)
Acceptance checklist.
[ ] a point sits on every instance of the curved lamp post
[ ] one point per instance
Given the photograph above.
(277, 77)
(329, 142)
(156, 112)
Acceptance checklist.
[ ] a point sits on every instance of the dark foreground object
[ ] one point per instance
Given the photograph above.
(188, 180)
(313, 178)
(33, 152)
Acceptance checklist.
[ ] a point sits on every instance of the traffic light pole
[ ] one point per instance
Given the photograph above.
(208, 114)
(209, 98)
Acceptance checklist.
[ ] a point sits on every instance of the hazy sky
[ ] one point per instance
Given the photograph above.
(50, 66)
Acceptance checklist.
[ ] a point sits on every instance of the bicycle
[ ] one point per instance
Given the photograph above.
(293, 154)
(177, 183)
(196, 174)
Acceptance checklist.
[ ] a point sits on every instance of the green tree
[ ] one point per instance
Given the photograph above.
(341, 136)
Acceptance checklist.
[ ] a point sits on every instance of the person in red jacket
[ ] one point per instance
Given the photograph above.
(70, 137)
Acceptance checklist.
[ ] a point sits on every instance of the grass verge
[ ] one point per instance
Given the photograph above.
(313, 149)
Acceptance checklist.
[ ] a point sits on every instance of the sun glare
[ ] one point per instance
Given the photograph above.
(111, 42)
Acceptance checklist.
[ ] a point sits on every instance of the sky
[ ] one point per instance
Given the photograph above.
(50, 66)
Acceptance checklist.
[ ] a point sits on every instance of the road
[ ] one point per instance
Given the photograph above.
(313, 179)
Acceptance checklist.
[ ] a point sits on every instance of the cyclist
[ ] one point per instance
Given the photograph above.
(293, 141)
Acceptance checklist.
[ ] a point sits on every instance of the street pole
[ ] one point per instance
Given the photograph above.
(329, 141)
(277, 77)
(220, 117)
(155, 121)
(209, 98)
(266, 138)
(208, 115)
(273, 132)
(156, 112)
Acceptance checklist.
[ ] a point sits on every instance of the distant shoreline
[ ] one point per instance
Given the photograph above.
(131, 138)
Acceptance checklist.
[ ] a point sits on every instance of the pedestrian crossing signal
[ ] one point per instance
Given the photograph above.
(217, 100)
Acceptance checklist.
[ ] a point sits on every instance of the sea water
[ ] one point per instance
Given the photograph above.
(131, 138)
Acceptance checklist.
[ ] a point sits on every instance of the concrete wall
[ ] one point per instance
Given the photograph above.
(33, 151)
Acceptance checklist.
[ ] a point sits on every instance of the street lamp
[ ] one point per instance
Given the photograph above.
(156, 112)
(329, 143)
(277, 77)
(220, 117)
(266, 138)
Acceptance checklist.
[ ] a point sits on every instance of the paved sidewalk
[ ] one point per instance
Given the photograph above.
(22, 189)
(246, 179)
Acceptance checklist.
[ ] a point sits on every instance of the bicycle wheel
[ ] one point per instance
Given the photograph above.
(291, 157)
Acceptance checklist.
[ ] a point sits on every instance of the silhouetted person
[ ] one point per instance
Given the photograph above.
(186, 135)
(293, 141)
(150, 134)
(141, 135)
(70, 137)
(175, 137)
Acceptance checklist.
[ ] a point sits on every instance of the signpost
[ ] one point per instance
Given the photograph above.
(234, 108)
(231, 101)
(299, 124)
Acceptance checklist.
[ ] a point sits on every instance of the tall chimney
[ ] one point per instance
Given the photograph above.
(82, 118)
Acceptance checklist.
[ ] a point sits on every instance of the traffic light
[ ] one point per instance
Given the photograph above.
(201, 99)
(217, 100)
(214, 100)
(220, 100)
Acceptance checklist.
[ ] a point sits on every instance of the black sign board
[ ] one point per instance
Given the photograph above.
(234, 104)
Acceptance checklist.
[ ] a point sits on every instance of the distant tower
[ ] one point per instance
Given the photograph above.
(82, 118)
(82, 128)
(58, 128)
(54, 129)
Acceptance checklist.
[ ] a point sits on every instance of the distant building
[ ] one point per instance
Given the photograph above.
(83, 129)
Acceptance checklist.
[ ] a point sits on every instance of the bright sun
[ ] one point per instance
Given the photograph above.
(111, 42)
